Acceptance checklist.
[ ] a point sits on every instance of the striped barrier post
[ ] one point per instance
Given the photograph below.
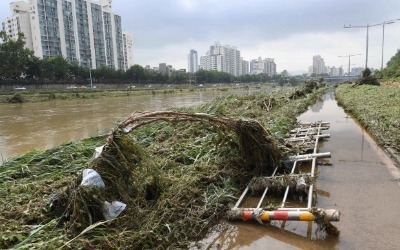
(292, 215)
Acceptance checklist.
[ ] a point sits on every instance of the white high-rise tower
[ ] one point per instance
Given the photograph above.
(193, 61)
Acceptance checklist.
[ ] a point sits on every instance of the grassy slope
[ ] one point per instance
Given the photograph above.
(193, 160)
(377, 108)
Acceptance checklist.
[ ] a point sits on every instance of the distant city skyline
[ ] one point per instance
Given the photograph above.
(291, 32)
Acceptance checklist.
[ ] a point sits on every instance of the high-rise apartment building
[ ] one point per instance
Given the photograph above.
(266, 66)
(244, 66)
(193, 61)
(19, 22)
(82, 31)
(128, 49)
(222, 58)
(318, 65)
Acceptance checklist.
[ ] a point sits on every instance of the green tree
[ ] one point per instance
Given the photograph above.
(136, 73)
(13, 56)
(55, 67)
(178, 77)
(293, 81)
(392, 69)
(34, 67)
(77, 71)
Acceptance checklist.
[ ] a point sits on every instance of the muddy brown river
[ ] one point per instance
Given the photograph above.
(28, 126)
(360, 180)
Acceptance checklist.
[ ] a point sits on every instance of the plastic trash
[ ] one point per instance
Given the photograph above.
(113, 209)
(91, 178)
(98, 152)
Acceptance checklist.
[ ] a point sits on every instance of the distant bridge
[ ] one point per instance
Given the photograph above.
(334, 79)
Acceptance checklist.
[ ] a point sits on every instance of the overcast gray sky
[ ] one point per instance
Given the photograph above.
(290, 31)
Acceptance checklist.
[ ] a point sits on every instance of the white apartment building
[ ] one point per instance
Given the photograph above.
(83, 31)
(333, 71)
(193, 61)
(318, 65)
(222, 58)
(19, 22)
(266, 66)
(245, 67)
(128, 49)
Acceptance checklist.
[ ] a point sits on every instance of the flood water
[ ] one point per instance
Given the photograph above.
(28, 126)
(361, 182)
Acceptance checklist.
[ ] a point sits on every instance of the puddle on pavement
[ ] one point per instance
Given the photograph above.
(357, 181)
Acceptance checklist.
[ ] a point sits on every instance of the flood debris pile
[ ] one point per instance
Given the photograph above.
(258, 184)
(309, 87)
(367, 79)
(159, 208)
(17, 98)
(173, 174)
(256, 145)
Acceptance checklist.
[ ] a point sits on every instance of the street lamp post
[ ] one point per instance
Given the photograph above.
(363, 26)
(383, 37)
(367, 26)
(90, 70)
(348, 72)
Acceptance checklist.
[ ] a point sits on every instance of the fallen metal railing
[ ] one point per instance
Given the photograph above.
(308, 132)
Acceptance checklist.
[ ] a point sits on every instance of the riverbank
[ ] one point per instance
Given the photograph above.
(377, 109)
(76, 93)
(190, 172)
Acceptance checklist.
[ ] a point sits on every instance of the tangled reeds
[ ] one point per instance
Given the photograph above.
(256, 145)
(280, 182)
(131, 177)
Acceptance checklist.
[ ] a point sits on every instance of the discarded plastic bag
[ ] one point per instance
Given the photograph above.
(112, 210)
(91, 178)
(98, 151)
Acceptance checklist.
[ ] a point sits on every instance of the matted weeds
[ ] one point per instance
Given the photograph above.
(177, 179)
(376, 108)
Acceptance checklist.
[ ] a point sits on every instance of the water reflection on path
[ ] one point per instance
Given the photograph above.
(361, 183)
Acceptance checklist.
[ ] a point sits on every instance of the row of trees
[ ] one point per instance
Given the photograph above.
(17, 61)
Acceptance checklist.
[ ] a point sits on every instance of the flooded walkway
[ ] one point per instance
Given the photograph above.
(359, 180)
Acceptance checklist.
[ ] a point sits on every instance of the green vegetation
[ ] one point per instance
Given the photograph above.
(13, 56)
(177, 177)
(376, 108)
(392, 69)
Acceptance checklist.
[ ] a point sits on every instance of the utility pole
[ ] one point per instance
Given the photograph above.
(367, 26)
(349, 63)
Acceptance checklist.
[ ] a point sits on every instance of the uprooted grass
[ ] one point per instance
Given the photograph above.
(177, 179)
(376, 109)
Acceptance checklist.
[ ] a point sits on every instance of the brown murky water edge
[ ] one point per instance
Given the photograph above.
(28, 126)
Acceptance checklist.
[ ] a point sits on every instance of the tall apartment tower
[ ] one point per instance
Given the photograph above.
(193, 62)
(82, 31)
(222, 58)
(244, 66)
(128, 49)
(266, 66)
(19, 22)
(318, 65)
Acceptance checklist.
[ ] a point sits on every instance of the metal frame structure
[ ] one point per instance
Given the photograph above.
(307, 132)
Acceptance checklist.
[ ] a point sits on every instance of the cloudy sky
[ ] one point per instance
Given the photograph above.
(290, 31)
